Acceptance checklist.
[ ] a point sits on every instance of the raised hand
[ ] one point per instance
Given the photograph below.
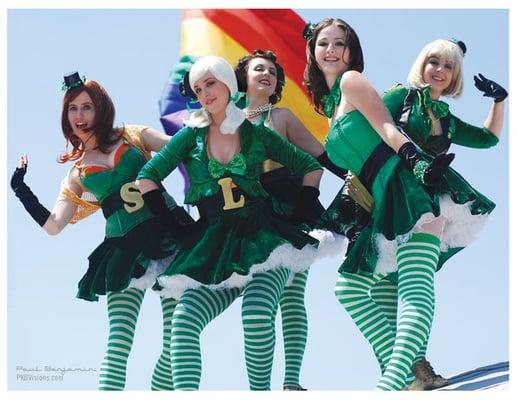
(19, 173)
(490, 88)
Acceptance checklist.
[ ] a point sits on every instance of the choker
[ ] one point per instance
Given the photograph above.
(251, 113)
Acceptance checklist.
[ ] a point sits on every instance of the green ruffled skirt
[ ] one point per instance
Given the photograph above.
(132, 260)
(236, 244)
(402, 204)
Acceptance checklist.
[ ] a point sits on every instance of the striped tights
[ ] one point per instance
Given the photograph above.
(260, 300)
(195, 309)
(294, 326)
(374, 314)
(123, 311)
(162, 378)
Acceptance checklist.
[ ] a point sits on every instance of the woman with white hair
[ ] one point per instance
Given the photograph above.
(239, 242)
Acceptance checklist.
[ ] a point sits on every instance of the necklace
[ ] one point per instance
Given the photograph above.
(254, 112)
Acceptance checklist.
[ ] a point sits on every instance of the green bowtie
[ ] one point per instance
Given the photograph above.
(332, 99)
(439, 108)
(236, 166)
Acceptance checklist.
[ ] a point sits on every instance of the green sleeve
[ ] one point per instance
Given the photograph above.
(172, 154)
(394, 98)
(280, 150)
(471, 136)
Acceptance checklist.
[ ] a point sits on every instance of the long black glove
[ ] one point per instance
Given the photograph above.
(29, 200)
(490, 88)
(324, 161)
(425, 172)
(157, 205)
(308, 208)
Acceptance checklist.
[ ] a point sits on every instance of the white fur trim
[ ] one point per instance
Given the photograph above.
(155, 268)
(460, 229)
(331, 244)
(284, 256)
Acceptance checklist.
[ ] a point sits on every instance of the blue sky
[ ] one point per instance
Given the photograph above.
(131, 52)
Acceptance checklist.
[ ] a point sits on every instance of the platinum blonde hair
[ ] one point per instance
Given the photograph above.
(223, 72)
(439, 48)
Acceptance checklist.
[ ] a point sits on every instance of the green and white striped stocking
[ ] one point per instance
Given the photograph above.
(260, 301)
(123, 310)
(162, 378)
(294, 327)
(416, 261)
(195, 309)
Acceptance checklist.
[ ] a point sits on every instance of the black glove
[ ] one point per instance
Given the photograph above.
(157, 205)
(490, 88)
(324, 161)
(308, 208)
(31, 203)
(425, 172)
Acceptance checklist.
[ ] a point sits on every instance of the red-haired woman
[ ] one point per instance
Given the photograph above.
(136, 247)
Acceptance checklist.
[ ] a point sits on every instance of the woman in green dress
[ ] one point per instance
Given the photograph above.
(427, 121)
(407, 232)
(135, 249)
(239, 244)
(262, 78)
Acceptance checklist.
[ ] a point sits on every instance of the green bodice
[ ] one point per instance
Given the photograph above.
(419, 124)
(258, 144)
(102, 182)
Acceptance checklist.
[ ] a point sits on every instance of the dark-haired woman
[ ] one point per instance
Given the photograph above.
(262, 78)
(135, 249)
(407, 232)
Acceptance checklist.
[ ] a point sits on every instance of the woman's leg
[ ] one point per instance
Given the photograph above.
(416, 261)
(294, 327)
(195, 309)
(123, 310)
(353, 291)
(260, 300)
(162, 378)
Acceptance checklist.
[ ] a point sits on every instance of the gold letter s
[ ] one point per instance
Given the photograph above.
(131, 197)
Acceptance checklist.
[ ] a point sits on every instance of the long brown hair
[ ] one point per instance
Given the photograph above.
(102, 126)
(314, 80)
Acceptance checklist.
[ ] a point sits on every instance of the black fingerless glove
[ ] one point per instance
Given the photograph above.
(426, 172)
(308, 208)
(29, 200)
(324, 161)
(490, 88)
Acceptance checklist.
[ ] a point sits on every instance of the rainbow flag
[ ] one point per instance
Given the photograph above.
(233, 33)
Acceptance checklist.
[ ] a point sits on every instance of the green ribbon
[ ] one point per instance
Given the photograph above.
(439, 108)
(332, 99)
(236, 166)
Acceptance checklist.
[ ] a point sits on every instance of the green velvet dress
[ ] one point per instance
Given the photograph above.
(233, 244)
(135, 241)
(467, 208)
(284, 187)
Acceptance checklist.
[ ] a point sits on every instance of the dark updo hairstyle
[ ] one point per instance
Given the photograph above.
(314, 80)
(241, 71)
(102, 125)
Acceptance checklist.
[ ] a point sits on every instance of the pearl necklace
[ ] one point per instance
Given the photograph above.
(257, 111)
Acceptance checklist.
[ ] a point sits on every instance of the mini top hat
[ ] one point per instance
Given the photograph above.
(461, 44)
(72, 80)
